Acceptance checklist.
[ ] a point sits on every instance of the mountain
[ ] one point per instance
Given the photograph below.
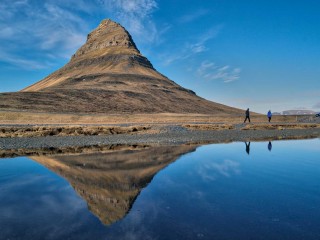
(108, 74)
(276, 113)
(296, 112)
(111, 181)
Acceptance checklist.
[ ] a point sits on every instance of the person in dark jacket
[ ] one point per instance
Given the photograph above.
(269, 146)
(247, 116)
(247, 147)
(269, 114)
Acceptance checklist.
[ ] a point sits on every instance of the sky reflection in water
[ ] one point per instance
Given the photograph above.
(219, 191)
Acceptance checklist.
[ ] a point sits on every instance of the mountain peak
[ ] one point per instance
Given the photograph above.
(105, 23)
(108, 38)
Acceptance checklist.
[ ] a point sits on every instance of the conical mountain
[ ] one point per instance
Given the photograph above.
(108, 53)
(109, 74)
(111, 181)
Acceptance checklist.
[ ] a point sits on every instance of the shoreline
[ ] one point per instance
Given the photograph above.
(169, 135)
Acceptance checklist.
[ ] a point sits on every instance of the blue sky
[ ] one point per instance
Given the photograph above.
(258, 54)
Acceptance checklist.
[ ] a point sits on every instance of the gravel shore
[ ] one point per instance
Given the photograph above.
(168, 135)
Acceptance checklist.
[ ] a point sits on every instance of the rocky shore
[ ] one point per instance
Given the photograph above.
(163, 135)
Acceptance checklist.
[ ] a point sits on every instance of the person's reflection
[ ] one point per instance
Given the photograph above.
(269, 146)
(247, 147)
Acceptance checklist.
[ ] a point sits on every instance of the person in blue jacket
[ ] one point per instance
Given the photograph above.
(269, 114)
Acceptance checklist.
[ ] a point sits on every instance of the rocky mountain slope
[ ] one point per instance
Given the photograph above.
(108, 74)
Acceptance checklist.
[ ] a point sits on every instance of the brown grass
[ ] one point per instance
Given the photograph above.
(209, 126)
(7, 117)
(257, 126)
(41, 131)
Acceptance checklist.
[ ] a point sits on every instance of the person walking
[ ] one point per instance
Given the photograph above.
(247, 116)
(269, 114)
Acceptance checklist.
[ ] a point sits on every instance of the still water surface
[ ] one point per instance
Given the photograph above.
(220, 191)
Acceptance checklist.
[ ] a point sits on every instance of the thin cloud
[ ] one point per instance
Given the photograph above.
(136, 16)
(212, 170)
(8, 8)
(193, 16)
(211, 71)
(32, 29)
(23, 63)
(6, 32)
(198, 46)
(61, 28)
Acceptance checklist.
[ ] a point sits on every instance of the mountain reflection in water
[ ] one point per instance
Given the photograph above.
(111, 181)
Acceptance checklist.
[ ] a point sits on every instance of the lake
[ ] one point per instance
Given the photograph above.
(257, 190)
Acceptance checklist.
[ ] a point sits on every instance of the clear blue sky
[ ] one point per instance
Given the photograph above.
(258, 54)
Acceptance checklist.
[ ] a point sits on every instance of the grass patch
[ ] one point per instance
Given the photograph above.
(209, 126)
(42, 131)
(10, 153)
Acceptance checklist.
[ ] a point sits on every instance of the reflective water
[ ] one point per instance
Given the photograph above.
(257, 190)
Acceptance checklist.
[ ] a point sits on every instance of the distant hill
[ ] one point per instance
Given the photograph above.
(108, 74)
(277, 113)
(295, 112)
